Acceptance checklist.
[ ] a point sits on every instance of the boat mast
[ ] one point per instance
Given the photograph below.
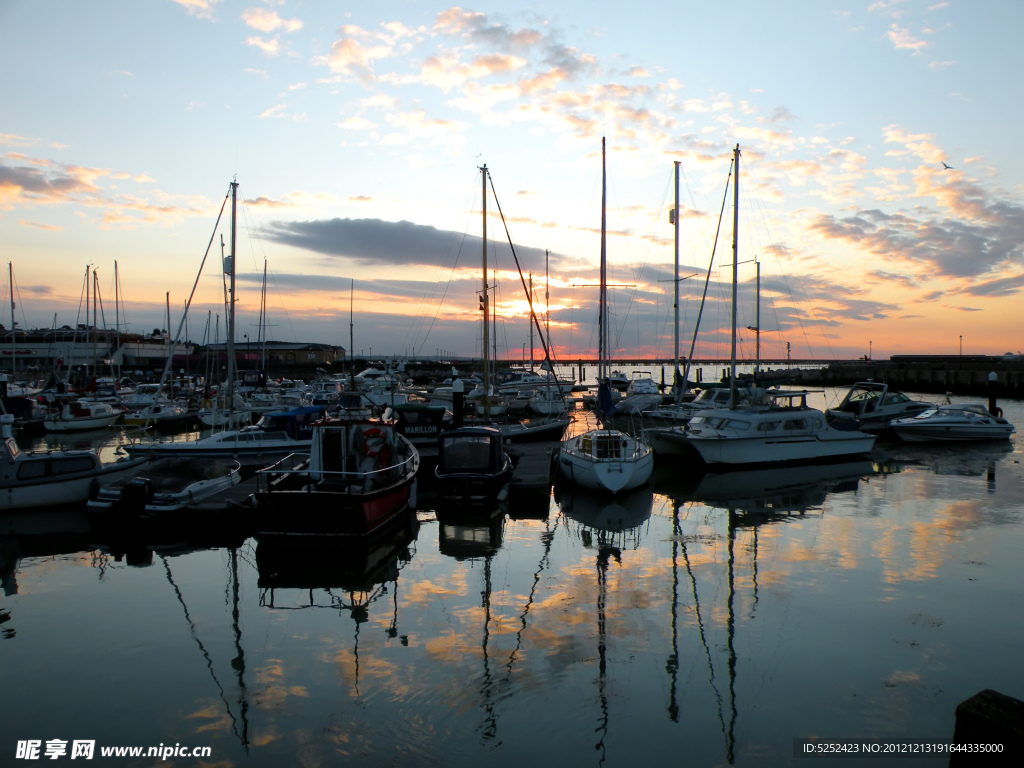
(485, 295)
(117, 319)
(231, 310)
(95, 325)
(88, 334)
(167, 299)
(675, 221)
(263, 321)
(757, 325)
(735, 272)
(494, 319)
(351, 348)
(531, 322)
(14, 364)
(547, 299)
(602, 319)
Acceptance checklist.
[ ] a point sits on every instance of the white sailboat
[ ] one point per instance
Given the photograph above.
(784, 430)
(605, 459)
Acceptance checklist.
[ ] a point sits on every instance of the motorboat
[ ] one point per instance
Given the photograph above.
(48, 478)
(548, 401)
(534, 430)
(166, 485)
(618, 380)
(953, 423)
(472, 465)
(872, 405)
(787, 430)
(515, 380)
(276, 435)
(159, 414)
(144, 394)
(606, 460)
(642, 394)
(215, 413)
(420, 423)
(78, 416)
(359, 479)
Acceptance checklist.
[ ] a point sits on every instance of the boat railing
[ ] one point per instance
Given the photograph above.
(291, 466)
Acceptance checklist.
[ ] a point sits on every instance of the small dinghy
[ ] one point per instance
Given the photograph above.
(166, 485)
(472, 466)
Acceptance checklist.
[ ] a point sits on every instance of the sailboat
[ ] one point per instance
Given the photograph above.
(784, 430)
(277, 434)
(605, 459)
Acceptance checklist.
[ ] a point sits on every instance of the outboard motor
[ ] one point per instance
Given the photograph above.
(137, 493)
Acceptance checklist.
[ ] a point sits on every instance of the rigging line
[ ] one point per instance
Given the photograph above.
(576, 267)
(253, 230)
(17, 289)
(638, 273)
(774, 248)
(533, 315)
(419, 316)
(714, 247)
(202, 648)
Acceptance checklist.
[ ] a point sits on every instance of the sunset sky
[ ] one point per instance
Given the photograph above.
(356, 129)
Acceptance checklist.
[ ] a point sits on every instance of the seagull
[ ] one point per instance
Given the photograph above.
(947, 167)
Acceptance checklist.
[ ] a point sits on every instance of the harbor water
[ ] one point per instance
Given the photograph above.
(707, 619)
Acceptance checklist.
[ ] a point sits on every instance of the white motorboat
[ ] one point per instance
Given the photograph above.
(872, 405)
(618, 380)
(276, 435)
(215, 413)
(166, 485)
(145, 394)
(49, 478)
(953, 423)
(161, 413)
(515, 380)
(78, 416)
(772, 434)
(548, 401)
(606, 460)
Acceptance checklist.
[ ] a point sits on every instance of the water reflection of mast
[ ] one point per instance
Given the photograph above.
(730, 739)
(546, 538)
(604, 550)
(672, 665)
(206, 655)
(238, 663)
(703, 636)
(491, 720)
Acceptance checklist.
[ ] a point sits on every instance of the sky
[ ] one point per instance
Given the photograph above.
(355, 132)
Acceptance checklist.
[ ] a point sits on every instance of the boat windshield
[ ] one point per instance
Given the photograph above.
(466, 453)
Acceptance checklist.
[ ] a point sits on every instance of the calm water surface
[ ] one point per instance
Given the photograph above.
(707, 620)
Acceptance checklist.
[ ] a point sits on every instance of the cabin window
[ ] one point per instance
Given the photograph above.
(586, 446)
(737, 424)
(608, 447)
(767, 426)
(69, 466)
(30, 470)
(467, 453)
(817, 423)
(792, 425)
(12, 446)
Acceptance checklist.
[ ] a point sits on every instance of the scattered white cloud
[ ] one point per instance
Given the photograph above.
(268, 21)
(201, 9)
(902, 39)
(941, 64)
(270, 47)
(37, 225)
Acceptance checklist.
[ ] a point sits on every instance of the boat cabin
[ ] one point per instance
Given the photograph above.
(297, 423)
(471, 451)
(605, 445)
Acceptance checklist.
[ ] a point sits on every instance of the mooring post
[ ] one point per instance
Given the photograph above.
(989, 717)
(993, 382)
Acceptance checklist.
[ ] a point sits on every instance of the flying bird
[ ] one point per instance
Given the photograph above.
(947, 167)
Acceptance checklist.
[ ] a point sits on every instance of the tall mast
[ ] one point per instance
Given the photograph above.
(485, 293)
(494, 318)
(88, 333)
(95, 325)
(531, 321)
(167, 305)
(675, 304)
(14, 359)
(547, 299)
(602, 321)
(117, 318)
(231, 310)
(757, 321)
(263, 326)
(351, 350)
(735, 272)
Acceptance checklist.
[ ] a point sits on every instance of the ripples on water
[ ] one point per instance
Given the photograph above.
(706, 619)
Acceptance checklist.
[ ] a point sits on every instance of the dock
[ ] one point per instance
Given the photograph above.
(534, 463)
